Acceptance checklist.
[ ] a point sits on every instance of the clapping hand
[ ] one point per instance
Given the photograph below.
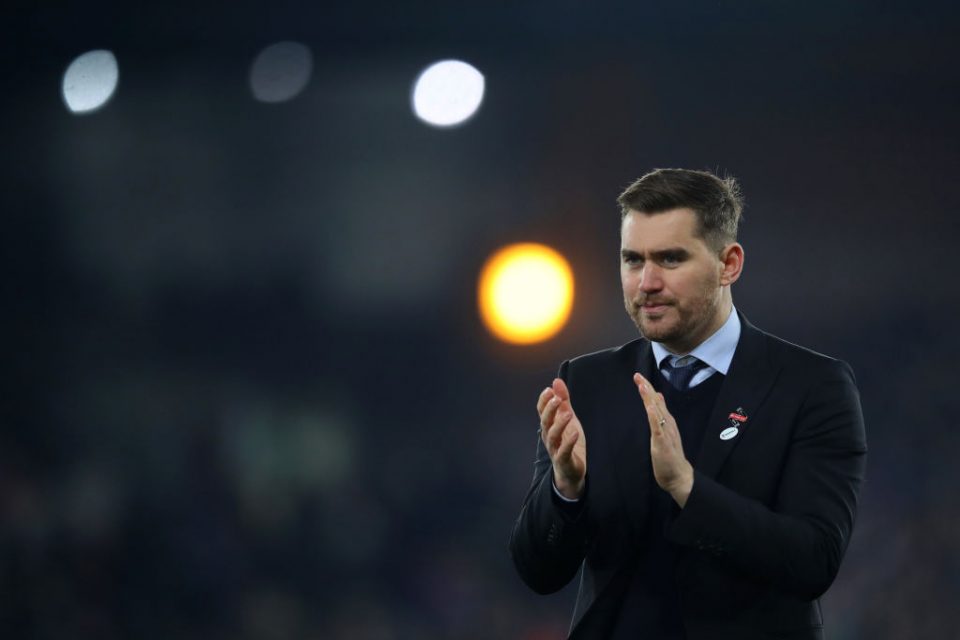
(563, 437)
(673, 472)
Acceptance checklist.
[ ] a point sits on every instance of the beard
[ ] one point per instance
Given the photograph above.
(681, 325)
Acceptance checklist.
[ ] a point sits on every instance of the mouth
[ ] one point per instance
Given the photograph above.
(653, 308)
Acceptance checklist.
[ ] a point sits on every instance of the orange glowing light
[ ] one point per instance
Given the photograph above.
(525, 293)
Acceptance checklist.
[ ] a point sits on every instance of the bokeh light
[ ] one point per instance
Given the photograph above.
(525, 293)
(90, 81)
(280, 72)
(447, 93)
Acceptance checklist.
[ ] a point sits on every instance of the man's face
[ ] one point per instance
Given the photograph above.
(671, 279)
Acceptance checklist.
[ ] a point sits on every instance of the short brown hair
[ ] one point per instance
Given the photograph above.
(716, 201)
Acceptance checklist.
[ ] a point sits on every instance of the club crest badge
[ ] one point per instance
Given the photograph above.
(736, 419)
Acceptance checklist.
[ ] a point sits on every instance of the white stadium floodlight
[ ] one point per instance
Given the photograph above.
(447, 93)
(90, 81)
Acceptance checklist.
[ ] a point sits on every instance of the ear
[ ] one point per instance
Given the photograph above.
(731, 263)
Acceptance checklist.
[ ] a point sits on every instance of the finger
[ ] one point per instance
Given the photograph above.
(557, 429)
(661, 405)
(545, 396)
(669, 432)
(654, 413)
(644, 387)
(669, 423)
(654, 418)
(560, 388)
(565, 450)
(549, 411)
(652, 398)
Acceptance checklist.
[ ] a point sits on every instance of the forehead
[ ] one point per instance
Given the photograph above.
(674, 228)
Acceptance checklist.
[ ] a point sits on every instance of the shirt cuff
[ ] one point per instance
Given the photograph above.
(560, 495)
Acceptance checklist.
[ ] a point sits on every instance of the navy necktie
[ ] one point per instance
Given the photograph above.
(680, 375)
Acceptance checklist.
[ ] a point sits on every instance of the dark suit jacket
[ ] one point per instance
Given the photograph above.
(770, 514)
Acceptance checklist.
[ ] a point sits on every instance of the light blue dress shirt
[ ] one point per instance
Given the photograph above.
(716, 351)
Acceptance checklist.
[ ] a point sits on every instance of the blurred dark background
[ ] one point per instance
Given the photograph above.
(246, 390)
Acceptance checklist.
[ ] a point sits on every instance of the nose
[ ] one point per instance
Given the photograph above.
(651, 278)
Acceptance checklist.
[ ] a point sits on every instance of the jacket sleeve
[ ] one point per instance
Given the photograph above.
(797, 545)
(548, 542)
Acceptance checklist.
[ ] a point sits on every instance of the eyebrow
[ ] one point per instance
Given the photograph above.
(672, 252)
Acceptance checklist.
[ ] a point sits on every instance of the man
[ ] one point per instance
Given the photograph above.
(705, 476)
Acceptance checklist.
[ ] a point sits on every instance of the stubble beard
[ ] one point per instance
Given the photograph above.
(681, 327)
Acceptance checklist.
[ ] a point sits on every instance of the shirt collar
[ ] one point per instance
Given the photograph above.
(716, 351)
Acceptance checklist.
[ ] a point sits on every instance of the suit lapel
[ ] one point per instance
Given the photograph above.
(747, 383)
